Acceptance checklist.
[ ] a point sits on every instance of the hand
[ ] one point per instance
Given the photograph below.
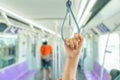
(73, 45)
(42, 57)
(51, 59)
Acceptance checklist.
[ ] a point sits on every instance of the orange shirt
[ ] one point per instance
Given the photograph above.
(46, 50)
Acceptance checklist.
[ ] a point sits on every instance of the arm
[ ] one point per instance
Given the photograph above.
(41, 51)
(51, 54)
(73, 47)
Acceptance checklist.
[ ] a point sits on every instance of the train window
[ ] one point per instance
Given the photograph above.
(8, 46)
(112, 52)
(3, 26)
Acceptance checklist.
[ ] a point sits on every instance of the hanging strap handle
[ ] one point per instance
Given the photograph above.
(69, 10)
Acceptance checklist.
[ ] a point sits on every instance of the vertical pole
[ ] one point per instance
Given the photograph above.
(119, 50)
(38, 54)
(53, 66)
(59, 57)
(102, 69)
(56, 54)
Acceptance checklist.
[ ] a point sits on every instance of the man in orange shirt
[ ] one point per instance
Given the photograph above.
(46, 58)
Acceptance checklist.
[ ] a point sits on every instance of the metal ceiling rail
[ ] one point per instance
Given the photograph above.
(10, 13)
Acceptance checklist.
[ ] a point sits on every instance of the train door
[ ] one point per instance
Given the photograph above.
(37, 53)
(57, 60)
(89, 54)
(22, 47)
(31, 55)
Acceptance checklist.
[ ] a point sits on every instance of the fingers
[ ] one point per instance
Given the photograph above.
(78, 37)
(81, 39)
(70, 43)
(74, 42)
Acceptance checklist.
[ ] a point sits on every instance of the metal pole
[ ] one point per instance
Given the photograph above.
(59, 58)
(102, 69)
(53, 66)
(119, 50)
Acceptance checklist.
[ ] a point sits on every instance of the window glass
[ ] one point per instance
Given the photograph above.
(8, 49)
(112, 52)
(3, 26)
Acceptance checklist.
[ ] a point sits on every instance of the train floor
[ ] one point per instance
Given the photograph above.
(80, 75)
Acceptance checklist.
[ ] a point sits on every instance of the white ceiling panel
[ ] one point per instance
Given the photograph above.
(36, 8)
(44, 12)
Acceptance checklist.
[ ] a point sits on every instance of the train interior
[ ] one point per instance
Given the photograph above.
(25, 24)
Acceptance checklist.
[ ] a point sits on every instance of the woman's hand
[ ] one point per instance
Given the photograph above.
(74, 45)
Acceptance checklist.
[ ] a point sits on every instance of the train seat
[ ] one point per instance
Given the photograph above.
(28, 76)
(17, 72)
(95, 73)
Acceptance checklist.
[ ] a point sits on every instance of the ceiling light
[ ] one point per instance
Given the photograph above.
(8, 36)
(81, 9)
(87, 11)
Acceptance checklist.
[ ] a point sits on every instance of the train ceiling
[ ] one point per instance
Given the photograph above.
(106, 20)
(48, 13)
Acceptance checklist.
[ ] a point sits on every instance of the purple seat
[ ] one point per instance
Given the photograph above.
(106, 75)
(95, 74)
(27, 75)
(15, 72)
(89, 75)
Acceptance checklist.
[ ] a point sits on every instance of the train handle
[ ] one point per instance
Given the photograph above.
(69, 10)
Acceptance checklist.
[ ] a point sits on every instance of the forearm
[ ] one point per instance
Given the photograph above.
(73, 48)
(71, 68)
(51, 57)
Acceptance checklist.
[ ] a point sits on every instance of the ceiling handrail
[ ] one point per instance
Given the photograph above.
(69, 10)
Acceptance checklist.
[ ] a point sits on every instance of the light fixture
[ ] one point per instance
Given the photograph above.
(81, 9)
(8, 36)
(87, 12)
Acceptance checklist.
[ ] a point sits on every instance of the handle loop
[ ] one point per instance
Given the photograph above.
(69, 10)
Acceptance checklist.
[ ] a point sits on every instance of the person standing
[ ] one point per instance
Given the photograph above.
(46, 59)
